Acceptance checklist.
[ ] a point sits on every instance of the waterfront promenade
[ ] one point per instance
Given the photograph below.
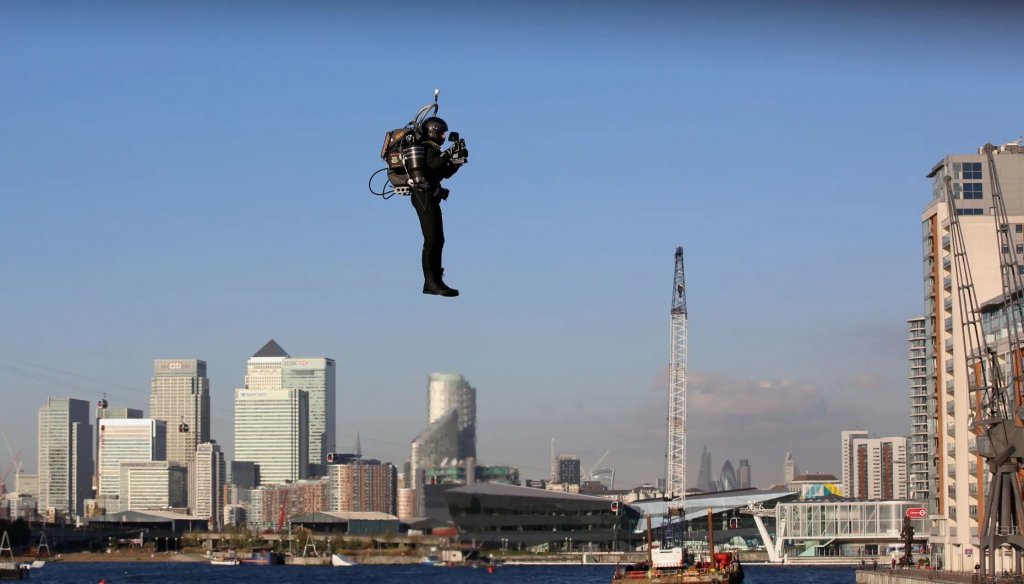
(887, 576)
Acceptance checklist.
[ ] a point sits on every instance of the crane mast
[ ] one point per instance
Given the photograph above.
(675, 465)
(993, 387)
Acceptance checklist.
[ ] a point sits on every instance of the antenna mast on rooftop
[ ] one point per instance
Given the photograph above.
(675, 454)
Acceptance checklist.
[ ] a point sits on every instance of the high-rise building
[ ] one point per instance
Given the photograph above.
(957, 475)
(744, 473)
(64, 455)
(849, 459)
(180, 396)
(568, 469)
(315, 376)
(439, 442)
(209, 483)
(124, 440)
(789, 468)
(919, 449)
(152, 485)
(727, 480)
(446, 391)
(273, 368)
(264, 369)
(705, 482)
(105, 412)
(364, 485)
(879, 468)
(271, 430)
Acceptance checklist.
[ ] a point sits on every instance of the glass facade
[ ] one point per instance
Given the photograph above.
(271, 430)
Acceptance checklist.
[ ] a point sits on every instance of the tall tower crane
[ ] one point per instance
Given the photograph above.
(994, 388)
(675, 454)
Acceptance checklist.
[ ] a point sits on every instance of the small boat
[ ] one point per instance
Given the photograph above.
(338, 560)
(225, 562)
(13, 571)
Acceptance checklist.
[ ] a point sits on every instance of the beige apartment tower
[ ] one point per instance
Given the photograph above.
(957, 474)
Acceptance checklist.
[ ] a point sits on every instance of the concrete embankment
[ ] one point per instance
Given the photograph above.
(912, 577)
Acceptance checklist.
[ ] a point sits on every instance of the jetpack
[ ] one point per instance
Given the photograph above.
(405, 155)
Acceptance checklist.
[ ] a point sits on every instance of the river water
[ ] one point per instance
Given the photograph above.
(173, 573)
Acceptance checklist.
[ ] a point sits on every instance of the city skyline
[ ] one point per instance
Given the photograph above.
(174, 191)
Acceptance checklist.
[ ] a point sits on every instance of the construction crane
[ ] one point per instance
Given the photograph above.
(589, 475)
(994, 388)
(675, 452)
(12, 466)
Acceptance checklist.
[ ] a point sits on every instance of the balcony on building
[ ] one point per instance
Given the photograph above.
(946, 262)
(972, 467)
(950, 407)
(947, 282)
(945, 242)
(951, 449)
(950, 387)
(972, 445)
(950, 429)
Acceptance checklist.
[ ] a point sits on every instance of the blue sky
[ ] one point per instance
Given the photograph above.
(188, 179)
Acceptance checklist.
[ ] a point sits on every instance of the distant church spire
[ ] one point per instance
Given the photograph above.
(357, 449)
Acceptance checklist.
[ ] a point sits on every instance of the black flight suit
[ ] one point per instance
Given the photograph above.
(427, 201)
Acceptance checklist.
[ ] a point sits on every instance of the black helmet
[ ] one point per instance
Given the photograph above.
(434, 129)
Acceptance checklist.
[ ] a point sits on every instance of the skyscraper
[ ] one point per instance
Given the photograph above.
(272, 430)
(920, 449)
(789, 470)
(264, 369)
(64, 455)
(727, 477)
(744, 473)
(209, 483)
(315, 376)
(705, 481)
(956, 474)
(180, 396)
(446, 391)
(439, 442)
(127, 439)
(273, 368)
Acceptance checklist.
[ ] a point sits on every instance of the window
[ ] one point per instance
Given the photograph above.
(970, 211)
(1020, 248)
(1020, 228)
(972, 190)
(967, 170)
